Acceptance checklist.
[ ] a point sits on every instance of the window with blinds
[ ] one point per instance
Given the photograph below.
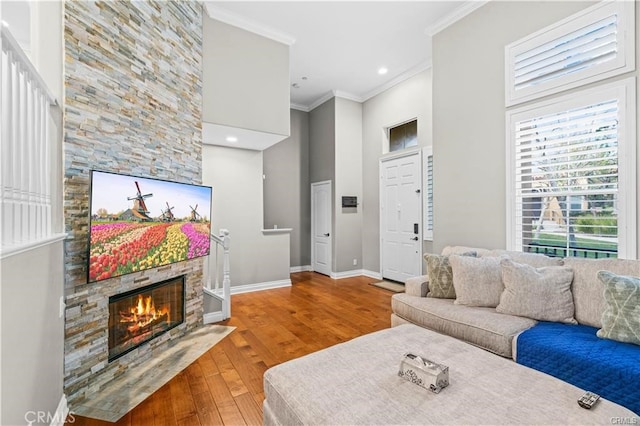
(570, 195)
(427, 158)
(595, 44)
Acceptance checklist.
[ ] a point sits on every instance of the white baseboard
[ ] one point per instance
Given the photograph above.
(372, 274)
(61, 413)
(303, 268)
(347, 274)
(212, 317)
(259, 286)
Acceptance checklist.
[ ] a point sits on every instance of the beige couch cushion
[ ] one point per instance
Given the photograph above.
(536, 260)
(543, 293)
(449, 250)
(588, 291)
(477, 281)
(417, 286)
(482, 327)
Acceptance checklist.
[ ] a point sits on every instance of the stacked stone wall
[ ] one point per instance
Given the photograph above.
(132, 105)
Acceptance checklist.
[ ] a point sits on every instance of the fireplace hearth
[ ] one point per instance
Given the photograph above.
(137, 316)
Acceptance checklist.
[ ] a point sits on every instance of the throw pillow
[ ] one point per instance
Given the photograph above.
(542, 294)
(441, 276)
(621, 317)
(537, 260)
(477, 281)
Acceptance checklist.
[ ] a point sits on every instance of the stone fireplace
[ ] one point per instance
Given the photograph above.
(137, 316)
(132, 105)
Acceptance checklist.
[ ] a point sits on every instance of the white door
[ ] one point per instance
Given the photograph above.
(321, 227)
(400, 217)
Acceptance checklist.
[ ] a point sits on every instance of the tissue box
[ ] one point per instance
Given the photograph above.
(424, 373)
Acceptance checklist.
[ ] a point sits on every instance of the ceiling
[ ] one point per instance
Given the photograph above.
(339, 46)
(336, 47)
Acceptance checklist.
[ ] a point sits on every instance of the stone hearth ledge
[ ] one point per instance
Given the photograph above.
(127, 391)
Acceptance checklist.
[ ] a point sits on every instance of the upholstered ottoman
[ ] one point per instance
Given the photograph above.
(357, 383)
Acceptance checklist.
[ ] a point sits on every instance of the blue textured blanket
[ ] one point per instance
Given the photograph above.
(575, 354)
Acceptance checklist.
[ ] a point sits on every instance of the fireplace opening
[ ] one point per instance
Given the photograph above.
(137, 316)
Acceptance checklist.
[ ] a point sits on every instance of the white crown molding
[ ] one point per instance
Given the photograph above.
(347, 95)
(457, 14)
(388, 85)
(236, 20)
(423, 66)
(299, 107)
(321, 100)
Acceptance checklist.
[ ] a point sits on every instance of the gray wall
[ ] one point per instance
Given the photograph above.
(32, 333)
(347, 239)
(287, 202)
(236, 178)
(407, 100)
(32, 354)
(322, 142)
(469, 118)
(246, 79)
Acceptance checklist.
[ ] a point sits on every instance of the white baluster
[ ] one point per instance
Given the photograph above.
(25, 181)
(7, 154)
(46, 169)
(226, 274)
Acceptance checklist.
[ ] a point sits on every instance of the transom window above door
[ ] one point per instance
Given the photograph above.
(403, 136)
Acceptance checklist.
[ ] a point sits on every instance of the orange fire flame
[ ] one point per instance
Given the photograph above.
(144, 313)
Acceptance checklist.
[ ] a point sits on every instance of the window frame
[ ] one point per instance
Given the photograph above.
(625, 91)
(386, 148)
(623, 62)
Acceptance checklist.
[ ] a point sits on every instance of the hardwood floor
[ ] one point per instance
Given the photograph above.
(224, 386)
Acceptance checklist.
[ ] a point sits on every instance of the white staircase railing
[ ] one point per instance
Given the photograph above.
(25, 174)
(212, 285)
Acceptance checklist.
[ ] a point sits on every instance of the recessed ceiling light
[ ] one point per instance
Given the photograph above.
(232, 139)
(304, 78)
(295, 85)
(382, 71)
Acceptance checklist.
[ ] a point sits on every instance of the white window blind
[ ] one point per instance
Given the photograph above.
(571, 182)
(427, 158)
(595, 44)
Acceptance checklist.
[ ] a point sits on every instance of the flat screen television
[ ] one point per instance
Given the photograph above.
(139, 223)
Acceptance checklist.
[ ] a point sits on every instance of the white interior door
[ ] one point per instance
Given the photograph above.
(321, 227)
(400, 217)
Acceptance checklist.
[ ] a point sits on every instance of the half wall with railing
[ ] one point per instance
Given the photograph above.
(28, 109)
(218, 286)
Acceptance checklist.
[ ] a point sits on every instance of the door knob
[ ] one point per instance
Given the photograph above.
(326, 235)
(414, 239)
